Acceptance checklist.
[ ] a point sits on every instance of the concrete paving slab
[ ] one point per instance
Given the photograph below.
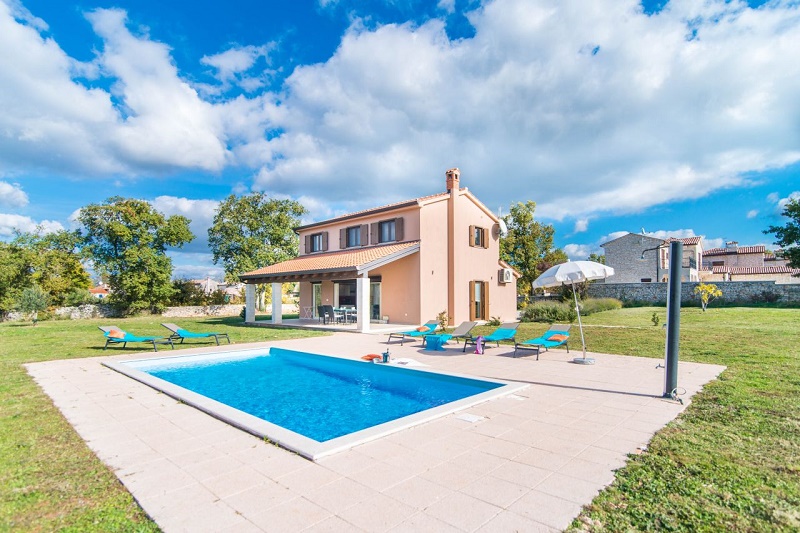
(528, 461)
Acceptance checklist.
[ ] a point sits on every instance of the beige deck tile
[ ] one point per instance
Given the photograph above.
(509, 521)
(495, 491)
(333, 524)
(380, 476)
(543, 459)
(293, 515)
(570, 488)
(503, 448)
(521, 474)
(463, 511)
(339, 494)
(216, 466)
(347, 462)
(304, 479)
(418, 492)
(451, 475)
(232, 482)
(549, 510)
(588, 471)
(259, 498)
(478, 461)
(424, 522)
(378, 513)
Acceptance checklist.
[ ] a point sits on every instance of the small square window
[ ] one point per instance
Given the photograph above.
(478, 237)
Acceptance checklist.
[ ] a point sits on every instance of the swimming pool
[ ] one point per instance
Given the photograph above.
(312, 404)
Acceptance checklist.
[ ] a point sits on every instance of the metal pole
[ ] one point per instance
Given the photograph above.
(673, 318)
(582, 361)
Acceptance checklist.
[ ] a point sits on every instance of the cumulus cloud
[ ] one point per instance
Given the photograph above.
(194, 266)
(581, 225)
(9, 224)
(585, 109)
(12, 195)
(580, 252)
(753, 213)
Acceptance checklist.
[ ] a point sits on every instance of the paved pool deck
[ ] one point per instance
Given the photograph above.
(524, 462)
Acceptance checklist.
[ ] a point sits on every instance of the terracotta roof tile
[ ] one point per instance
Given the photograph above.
(755, 270)
(686, 240)
(333, 261)
(759, 249)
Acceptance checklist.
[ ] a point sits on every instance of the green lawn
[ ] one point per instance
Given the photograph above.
(730, 462)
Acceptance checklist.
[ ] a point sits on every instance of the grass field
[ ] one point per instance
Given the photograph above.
(730, 462)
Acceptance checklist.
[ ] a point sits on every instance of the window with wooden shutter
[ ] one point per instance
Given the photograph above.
(307, 247)
(398, 229)
(364, 234)
(342, 238)
(324, 241)
(485, 237)
(472, 236)
(485, 300)
(472, 300)
(373, 239)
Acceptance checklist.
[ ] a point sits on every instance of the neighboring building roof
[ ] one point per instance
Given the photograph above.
(99, 290)
(688, 241)
(632, 234)
(755, 270)
(339, 261)
(760, 249)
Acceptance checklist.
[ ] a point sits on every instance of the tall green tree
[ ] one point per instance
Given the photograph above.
(54, 263)
(127, 240)
(597, 258)
(528, 247)
(253, 231)
(33, 300)
(15, 274)
(789, 235)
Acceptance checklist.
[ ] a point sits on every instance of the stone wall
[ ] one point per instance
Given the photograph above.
(202, 310)
(106, 311)
(733, 292)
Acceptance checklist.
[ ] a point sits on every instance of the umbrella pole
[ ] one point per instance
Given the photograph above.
(582, 361)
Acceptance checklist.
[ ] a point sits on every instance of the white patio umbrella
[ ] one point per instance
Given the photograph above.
(570, 273)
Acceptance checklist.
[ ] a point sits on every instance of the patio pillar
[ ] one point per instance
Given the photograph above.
(362, 303)
(249, 302)
(277, 303)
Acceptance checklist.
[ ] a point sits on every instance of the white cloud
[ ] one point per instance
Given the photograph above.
(753, 213)
(581, 225)
(12, 195)
(194, 266)
(580, 252)
(584, 109)
(9, 223)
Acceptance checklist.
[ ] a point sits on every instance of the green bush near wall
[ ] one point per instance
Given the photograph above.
(549, 312)
(595, 305)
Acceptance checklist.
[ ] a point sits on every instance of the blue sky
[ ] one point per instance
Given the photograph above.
(677, 117)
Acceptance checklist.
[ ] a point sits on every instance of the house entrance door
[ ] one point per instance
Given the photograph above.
(478, 300)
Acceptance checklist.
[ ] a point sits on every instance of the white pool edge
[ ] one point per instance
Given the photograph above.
(304, 446)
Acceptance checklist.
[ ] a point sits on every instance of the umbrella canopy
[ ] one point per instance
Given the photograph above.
(570, 273)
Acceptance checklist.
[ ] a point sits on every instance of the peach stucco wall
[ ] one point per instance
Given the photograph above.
(433, 259)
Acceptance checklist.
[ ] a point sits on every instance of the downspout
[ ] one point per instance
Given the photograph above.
(452, 183)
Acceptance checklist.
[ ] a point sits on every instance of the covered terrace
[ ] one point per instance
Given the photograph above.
(360, 266)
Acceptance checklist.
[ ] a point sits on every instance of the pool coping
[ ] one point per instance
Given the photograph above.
(290, 440)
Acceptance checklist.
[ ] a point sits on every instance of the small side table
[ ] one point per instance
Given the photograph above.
(307, 311)
(435, 342)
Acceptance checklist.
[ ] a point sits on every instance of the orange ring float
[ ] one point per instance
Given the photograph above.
(371, 357)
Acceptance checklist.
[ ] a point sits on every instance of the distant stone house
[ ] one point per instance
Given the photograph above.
(638, 258)
(747, 263)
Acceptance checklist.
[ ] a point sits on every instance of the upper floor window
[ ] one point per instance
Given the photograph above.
(390, 230)
(478, 237)
(386, 230)
(353, 236)
(317, 242)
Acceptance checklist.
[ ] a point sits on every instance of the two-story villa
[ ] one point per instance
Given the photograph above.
(407, 262)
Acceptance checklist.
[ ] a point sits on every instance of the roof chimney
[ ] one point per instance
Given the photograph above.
(453, 176)
(732, 245)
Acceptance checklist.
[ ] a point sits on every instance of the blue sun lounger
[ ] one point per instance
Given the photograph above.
(557, 335)
(182, 334)
(427, 329)
(115, 335)
(505, 332)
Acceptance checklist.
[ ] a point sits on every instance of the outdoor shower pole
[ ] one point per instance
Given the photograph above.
(673, 317)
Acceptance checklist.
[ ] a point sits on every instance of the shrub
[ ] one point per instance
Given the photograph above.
(444, 319)
(77, 297)
(549, 312)
(494, 321)
(595, 305)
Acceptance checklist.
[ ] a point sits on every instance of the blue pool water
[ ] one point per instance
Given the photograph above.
(317, 396)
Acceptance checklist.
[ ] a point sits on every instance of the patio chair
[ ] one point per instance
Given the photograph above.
(557, 335)
(115, 335)
(426, 329)
(461, 332)
(182, 334)
(505, 332)
(331, 315)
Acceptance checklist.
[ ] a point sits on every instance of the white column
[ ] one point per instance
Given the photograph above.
(362, 302)
(249, 302)
(277, 303)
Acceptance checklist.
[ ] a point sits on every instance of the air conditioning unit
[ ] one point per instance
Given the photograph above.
(506, 275)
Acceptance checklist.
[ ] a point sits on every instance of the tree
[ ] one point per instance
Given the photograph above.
(706, 293)
(32, 300)
(54, 263)
(15, 274)
(253, 231)
(789, 235)
(528, 247)
(127, 240)
(597, 258)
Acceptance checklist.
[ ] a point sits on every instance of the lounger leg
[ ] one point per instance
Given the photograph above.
(106, 346)
(216, 338)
